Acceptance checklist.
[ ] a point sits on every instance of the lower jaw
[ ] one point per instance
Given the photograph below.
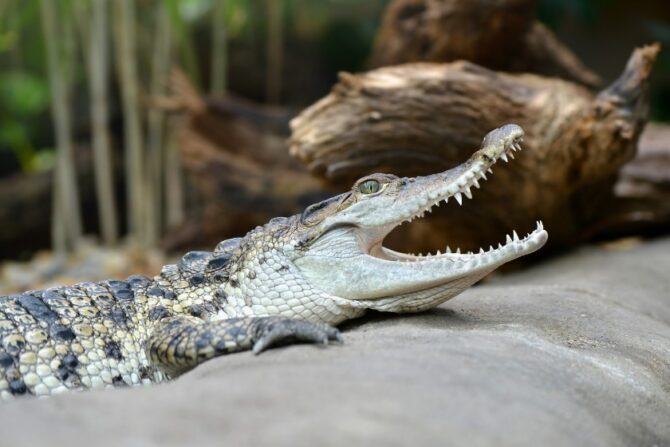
(425, 299)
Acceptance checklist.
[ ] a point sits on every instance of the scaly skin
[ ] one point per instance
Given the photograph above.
(289, 280)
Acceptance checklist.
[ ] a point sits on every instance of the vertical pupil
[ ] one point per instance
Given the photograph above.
(370, 186)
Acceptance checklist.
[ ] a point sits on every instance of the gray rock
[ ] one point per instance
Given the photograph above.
(572, 352)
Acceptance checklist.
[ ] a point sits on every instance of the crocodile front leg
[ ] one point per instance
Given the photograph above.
(178, 344)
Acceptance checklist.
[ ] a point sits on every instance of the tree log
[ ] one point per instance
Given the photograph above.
(420, 118)
(501, 35)
(236, 157)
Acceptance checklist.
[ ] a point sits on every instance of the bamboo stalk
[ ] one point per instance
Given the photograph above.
(173, 177)
(219, 80)
(66, 199)
(98, 72)
(160, 66)
(275, 50)
(184, 40)
(126, 58)
(59, 243)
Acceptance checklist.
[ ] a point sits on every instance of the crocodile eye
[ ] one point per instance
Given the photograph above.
(369, 187)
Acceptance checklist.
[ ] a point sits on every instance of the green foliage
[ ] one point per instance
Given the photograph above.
(660, 99)
(587, 12)
(237, 17)
(23, 100)
(180, 25)
(24, 94)
(346, 44)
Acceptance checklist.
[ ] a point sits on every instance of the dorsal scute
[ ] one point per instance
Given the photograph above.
(227, 247)
(194, 262)
(138, 281)
(218, 262)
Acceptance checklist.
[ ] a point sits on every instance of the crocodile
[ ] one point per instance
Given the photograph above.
(291, 280)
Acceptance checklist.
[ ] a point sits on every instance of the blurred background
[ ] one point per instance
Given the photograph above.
(85, 112)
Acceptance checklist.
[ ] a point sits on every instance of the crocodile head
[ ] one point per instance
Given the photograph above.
(342, 253)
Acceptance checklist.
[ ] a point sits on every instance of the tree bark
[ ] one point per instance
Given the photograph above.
(501, 35)
(416, 119)
(236, 158)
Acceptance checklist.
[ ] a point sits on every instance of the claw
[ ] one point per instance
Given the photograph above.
(275, 331)
(338, 337)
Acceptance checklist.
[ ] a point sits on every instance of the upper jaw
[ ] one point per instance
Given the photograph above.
(426, 192)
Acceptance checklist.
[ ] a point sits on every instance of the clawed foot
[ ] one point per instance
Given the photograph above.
(273, 331)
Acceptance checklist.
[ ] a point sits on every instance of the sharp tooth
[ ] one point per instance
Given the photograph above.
(468, 193)
(458, 251)
(490, 247)
(503, 156)
(517, 146)
(448, 249)
(475, 183)
(508, 239)
(516, 236)
(484, 176)
(481, 251)
(438, 253)
(511, 154)
(499, 245)
(489, 170)
(459, 198)
(446, 200)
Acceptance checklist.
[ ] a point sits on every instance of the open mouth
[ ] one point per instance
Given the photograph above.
(350, 261)
(458, 186)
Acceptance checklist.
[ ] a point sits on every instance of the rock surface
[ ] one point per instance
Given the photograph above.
(572, 352)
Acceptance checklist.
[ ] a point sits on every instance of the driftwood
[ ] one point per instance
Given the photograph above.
(565, 175)
(243, 176)
(642, 193)
(420, 118)
(501, 35)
